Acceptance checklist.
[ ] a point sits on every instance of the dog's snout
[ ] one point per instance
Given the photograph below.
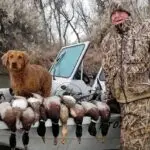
(14, 64)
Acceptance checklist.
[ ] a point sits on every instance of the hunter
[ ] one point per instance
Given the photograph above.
(126, 51)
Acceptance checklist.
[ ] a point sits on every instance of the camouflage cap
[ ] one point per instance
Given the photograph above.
(122, 5)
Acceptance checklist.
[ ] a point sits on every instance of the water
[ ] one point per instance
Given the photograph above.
(4, 81)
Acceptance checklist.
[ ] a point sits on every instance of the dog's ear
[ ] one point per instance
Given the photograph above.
(4, 59)
(26, 58)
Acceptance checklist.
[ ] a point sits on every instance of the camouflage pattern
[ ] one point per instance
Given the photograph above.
(135, 128)
(126, 62)
(120, 5)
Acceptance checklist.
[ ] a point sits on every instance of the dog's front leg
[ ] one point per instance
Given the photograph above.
(24, 93)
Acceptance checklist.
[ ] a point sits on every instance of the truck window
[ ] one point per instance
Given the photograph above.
(67, 60)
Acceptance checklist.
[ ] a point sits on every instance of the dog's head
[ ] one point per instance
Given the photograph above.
(15, 60)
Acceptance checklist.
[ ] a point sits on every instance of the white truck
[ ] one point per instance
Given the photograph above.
(68, 70)
(68, 73)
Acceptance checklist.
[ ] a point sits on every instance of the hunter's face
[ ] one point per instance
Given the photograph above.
(119, 17)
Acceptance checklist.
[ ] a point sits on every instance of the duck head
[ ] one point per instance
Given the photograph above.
(78, 121)
(80, 112)
(55, 129)
(41, 129)
(12, 140)
(92, 128)
(25, 139)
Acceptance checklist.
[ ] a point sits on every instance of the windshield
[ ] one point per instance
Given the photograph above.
(67, 60)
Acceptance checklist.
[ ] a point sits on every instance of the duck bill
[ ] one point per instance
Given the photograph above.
(101, 138)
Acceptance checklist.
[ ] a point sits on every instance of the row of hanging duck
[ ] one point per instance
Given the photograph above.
(23, 112)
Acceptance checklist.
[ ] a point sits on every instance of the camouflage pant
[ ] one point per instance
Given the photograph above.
(135, 125)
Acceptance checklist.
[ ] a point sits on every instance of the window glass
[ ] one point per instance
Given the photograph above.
(67, 60)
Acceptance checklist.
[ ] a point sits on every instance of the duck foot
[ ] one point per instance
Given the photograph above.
(12, 140)
(25, 139)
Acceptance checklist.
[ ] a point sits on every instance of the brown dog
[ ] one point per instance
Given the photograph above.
(26, 78)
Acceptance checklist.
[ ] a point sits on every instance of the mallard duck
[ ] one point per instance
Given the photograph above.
(78, 112)
(27, 119)
(35, 102)
(92, 111)
(52, 107)
(104, 112)
(19, 103)
(41, 129)
(8, 116)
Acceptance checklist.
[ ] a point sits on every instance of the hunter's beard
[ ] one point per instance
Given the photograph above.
(124, 27)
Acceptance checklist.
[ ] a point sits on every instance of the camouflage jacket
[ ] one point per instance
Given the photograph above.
(126, 62)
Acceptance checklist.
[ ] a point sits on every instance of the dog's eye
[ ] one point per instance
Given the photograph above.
(11, 56)
(20, 57)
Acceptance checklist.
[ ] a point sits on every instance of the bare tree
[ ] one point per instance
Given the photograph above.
(50, 27)
(42, 12)
(70, 19)
(55, 7)
(84, 18)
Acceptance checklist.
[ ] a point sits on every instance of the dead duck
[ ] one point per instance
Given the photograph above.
(36, 103)
(64, 115)
(68, 100)
(8, 116)
(41, 129)
(78, 113)
(27, 119)
(92, 111)
(104, 112)
(52, 107)
(19, 103)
